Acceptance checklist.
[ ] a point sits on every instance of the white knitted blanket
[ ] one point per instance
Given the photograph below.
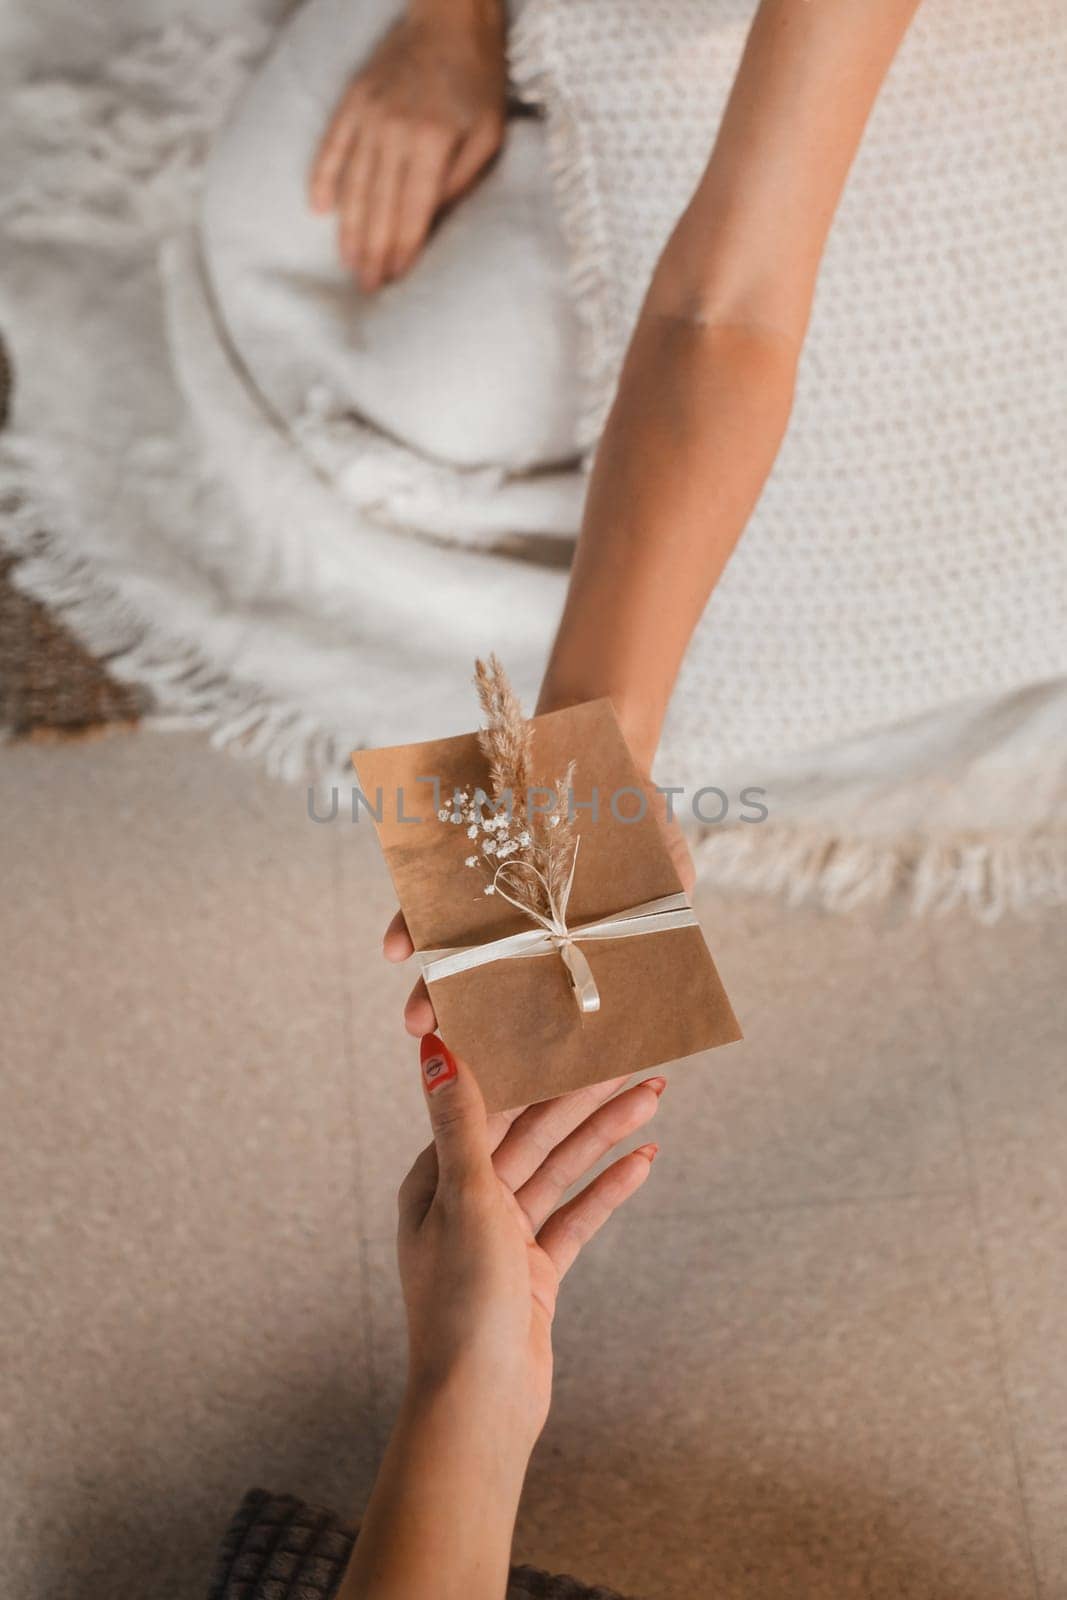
(909, 548)
(303, 588)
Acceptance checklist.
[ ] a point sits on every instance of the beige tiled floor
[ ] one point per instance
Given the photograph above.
(821, 1356)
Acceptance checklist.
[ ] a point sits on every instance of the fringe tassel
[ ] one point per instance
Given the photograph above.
(538, 70)
(989, 875)
(188, 689)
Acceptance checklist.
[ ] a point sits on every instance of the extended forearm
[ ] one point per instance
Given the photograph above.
(699, 414)
(440, 1520)
(706, 389)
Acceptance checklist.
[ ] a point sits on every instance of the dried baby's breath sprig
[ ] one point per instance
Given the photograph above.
(529, 857)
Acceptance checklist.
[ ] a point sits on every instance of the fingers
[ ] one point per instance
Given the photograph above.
(582, 1149)
(537, 1131)
(418, 1188)
(413, 130)
(574, 1224)
(419, 1015)
(354, 189)
(500, 1122)
(414, 168)
(457, 1116)
(397, 943)
(387, 182)
(375, 222)
(332, 154)
(422, 192)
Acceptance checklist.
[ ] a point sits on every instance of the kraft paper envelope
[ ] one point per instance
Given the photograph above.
(515, 1021)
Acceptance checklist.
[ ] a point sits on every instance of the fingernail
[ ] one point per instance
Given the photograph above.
(657, 1085)
(649, 1151)
(438, 1065)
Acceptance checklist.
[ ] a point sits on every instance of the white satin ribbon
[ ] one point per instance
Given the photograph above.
(653, 916)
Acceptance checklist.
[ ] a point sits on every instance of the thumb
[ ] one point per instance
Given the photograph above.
(457, 1113)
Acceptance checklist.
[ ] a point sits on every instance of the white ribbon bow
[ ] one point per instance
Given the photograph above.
(554, 936)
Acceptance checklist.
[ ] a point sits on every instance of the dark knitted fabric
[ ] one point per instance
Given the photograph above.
(278, 1548)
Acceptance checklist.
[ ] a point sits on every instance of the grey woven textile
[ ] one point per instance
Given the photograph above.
(278, 1548)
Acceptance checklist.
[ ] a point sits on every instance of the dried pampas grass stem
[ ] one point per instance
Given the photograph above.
(533, 856)
(507, 739)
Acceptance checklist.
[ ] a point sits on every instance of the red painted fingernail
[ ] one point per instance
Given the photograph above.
(649, 1151)
(437, 1062)
(657, 1085)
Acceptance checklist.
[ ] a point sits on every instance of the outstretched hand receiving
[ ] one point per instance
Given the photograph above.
(485, 1237)
(484, 1240)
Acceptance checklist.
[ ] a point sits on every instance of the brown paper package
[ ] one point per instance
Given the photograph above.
(515, 1021)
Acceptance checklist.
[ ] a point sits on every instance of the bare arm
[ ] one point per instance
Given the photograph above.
(706, 389)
